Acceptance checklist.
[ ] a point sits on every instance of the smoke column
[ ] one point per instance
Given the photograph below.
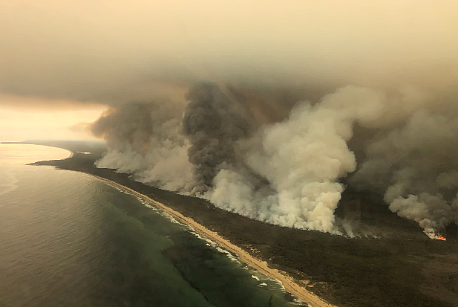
(144, 139)
(302, 158)
(309, 99)
(415, 166)
(290, 172)
(213, 122)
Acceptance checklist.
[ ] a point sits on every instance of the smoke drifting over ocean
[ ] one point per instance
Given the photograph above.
(267, 109)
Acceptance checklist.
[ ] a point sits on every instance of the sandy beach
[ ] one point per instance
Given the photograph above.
(396, 270)
(290, 285)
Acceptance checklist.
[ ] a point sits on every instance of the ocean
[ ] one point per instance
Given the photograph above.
(69, 239)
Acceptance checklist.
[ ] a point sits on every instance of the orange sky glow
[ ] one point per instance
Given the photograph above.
(45, 121)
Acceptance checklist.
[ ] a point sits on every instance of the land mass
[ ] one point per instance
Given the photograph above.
(395, 265)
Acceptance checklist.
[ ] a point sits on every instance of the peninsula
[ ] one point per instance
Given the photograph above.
(399, 267)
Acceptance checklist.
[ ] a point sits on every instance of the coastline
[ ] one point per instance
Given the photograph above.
(261, 266)
(71, 153)
(315, 267)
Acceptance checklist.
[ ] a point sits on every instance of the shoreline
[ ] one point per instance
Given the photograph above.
(317, 268)
(71, 153)
(261, 266)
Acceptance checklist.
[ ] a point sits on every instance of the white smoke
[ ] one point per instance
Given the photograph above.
(162, 166)
(416, 165)
(145, 140)
(302, 158)
(291, 172)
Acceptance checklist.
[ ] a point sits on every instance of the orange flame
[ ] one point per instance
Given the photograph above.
(441, 238)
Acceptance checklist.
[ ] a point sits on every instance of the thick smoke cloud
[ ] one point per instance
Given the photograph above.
(144, 139)
(135, 130)
(302, 158)
(415, 166)
(290, 172)
(310, 95)
(213, 122)
(114, 52)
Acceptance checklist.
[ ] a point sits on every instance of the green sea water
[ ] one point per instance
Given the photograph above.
(69, 239)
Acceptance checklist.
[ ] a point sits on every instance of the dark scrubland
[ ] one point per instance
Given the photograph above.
(395, 265)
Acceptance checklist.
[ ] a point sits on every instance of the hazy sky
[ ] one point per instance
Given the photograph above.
(63, 62)
(28, 118)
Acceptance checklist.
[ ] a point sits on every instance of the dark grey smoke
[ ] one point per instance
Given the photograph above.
(144, 139)
(213, 121)
(129, 125)
(415, 167)
(288, 171)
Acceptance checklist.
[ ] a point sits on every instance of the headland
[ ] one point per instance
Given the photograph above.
(402, 268)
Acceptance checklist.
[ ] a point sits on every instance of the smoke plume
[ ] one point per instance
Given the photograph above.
(144, 139)
(290, 171)
(415, 166)
(213, 122)
(270, 110)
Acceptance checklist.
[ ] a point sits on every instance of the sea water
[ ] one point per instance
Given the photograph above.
(69, 239)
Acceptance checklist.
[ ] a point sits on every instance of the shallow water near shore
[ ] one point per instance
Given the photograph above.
(68, 239)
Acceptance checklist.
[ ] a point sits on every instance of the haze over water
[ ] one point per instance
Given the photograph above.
(68, 239)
